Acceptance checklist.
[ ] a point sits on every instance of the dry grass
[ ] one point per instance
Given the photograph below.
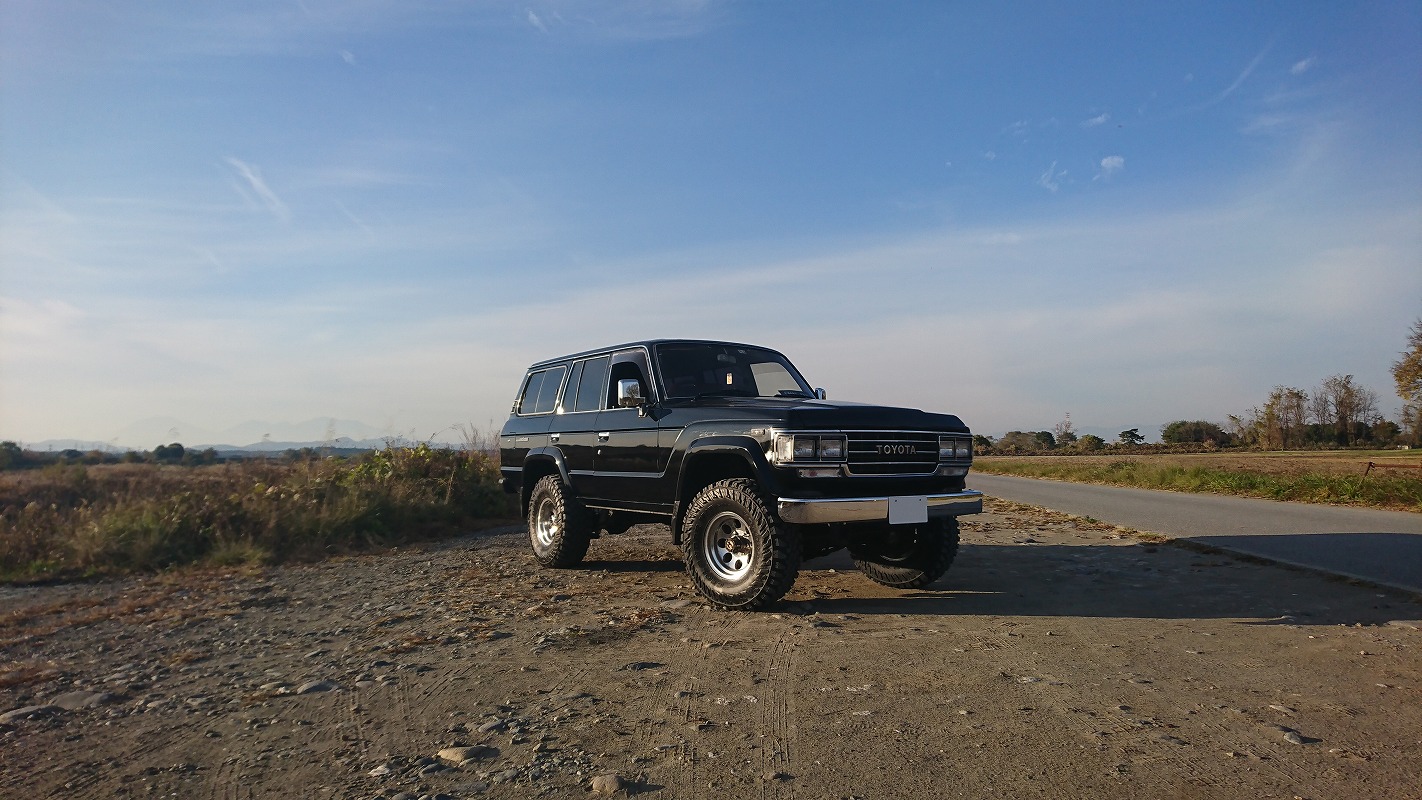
(75, 521)
(1332, 477)
(26, 674)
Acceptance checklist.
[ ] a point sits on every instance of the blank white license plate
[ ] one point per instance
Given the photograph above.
(908, 510)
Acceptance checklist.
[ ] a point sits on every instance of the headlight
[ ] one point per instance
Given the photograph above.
(809, 448)
(805, 447)
(954, 447)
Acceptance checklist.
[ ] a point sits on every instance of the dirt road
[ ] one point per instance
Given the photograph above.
(1058, 658)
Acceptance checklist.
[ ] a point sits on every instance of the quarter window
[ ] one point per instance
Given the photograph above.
(529, 399)
(548, 392)
(541, 393)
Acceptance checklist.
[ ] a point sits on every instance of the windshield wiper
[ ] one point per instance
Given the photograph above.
(793, 393)
(725, 393)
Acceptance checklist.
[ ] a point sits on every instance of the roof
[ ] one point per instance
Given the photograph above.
(648, 343)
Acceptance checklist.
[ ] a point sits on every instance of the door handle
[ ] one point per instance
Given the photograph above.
(602, 437)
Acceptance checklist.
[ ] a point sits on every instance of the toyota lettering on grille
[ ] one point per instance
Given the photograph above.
(896, 449)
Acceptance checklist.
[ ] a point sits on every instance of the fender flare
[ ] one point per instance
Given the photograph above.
(744, 447)
(544, 455)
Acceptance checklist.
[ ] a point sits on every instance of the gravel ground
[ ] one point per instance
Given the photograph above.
(1058, 658)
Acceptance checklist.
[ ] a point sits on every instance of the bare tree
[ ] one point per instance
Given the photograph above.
(1349, 404)
(1407, 373)
(1286, 412)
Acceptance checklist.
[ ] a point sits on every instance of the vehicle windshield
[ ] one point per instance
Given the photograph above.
(692, 370)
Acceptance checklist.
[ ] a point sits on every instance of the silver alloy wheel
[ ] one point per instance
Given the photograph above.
(546, 528)
(728, 547)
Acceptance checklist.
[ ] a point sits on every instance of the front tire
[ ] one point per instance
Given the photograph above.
(739, 556)
(558, 526)
(909, 556)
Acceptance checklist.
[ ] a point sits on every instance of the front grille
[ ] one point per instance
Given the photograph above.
(892, 453)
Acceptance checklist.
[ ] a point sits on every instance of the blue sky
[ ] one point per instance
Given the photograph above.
(259, 214)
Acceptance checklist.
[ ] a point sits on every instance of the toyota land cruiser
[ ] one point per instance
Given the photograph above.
(752, 469)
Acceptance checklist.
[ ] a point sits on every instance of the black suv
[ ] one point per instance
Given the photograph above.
(753, 470)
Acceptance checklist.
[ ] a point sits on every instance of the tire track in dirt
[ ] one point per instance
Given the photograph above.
(684, 777)
(777, 721)
(350, 729)
(400, 719)
(1149, 742)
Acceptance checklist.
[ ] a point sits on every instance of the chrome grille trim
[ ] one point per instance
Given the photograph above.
(882, 453)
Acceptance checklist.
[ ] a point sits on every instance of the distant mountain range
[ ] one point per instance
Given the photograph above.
(254, 436)
(268, 446)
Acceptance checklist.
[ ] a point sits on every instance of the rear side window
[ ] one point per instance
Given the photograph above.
(571, 393)
(592, 385)
(541, 392)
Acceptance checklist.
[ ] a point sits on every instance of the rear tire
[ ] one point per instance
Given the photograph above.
(558, 526)
(908, 556)
(739, 556)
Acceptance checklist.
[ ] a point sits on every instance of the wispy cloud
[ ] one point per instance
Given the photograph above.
(1264, 123)
(1244, 75)
(1300, 67)
(535, 21)
(1099, 119)
(258, 186)
(1051, 179)
(348, 57)
(1110, 165)
(357, 221)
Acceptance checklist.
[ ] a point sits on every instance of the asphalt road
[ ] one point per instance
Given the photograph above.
(1384, 547)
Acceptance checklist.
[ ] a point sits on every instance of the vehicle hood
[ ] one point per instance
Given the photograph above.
(807, 414)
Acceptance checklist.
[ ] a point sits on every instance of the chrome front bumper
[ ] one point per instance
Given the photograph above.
(864, 509)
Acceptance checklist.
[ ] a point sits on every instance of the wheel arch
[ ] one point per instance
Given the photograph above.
(715, 459)
(539, 464)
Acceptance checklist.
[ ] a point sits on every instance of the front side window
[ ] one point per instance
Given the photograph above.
(691, 370)
(629, 364)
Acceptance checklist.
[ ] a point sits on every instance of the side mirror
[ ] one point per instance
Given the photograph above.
(820, 394)
(629, 393)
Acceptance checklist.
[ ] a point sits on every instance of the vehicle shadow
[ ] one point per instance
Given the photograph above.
(640, 565)
(1141, 580)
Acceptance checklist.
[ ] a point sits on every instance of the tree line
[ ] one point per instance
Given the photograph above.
(1339, 412)
(13, 456)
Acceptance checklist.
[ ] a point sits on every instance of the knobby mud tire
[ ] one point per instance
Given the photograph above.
(739, 556)
(917, 563)
(559, 528)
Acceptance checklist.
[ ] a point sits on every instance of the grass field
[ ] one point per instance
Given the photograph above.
(1334, 477)
(74, 521)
